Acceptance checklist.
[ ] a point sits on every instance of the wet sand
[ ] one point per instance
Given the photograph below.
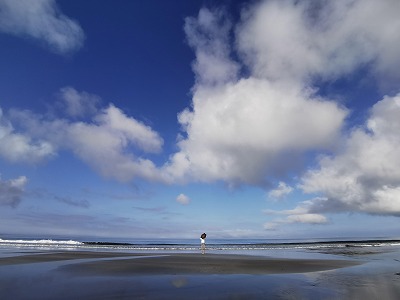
(195, 264)
(114, 275)
(141, 264)
(58, 256)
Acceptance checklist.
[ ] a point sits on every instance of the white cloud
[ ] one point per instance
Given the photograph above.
(17, 147)
(296, 40)
(107, 143)
(41, 20)
(250, 130)
(78, 104)
(364, 176)
(282, 190)
(307, 218)
(183, 199)
(12, 191)
(208, 35)
(300, 214)
(106, 148)
(296, 218)
(256, 128)
(130, 129)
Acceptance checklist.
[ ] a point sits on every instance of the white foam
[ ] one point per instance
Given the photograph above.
(39, 242)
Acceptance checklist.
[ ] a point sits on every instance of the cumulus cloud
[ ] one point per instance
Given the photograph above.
(364, 176)
(209, 35)
(132, 130)
(12, 191)
(41, 20)
(282, 190)
(251, 130)
(245, 130)
(20, 147)
(298, 40)
(78, 104)
(301, 214)
(183, 199)
(107, 142)
(256, 128)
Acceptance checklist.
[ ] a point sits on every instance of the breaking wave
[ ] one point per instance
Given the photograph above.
(191, 245)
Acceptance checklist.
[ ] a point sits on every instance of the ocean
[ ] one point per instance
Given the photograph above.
(238, 246)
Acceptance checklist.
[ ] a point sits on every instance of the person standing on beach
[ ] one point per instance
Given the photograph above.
(203, 243)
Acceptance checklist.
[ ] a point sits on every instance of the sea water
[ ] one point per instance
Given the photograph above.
(269, 247)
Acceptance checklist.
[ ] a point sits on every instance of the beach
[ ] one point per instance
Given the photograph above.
(147, 275)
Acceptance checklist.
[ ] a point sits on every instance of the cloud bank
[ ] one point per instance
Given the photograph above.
(41, 20)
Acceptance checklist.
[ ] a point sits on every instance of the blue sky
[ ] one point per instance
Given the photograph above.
(164, 119)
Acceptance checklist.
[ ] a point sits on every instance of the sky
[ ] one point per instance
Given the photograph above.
(165, 119)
